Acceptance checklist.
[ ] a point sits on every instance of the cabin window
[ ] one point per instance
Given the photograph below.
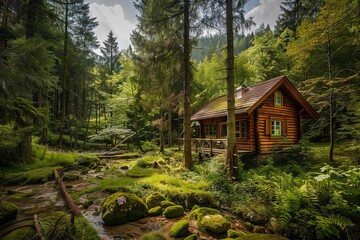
(278, 98)
(241, 129)
(210, 129)
(223, 130)
(276, 128)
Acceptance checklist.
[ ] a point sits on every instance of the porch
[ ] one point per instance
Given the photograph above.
(211, 146)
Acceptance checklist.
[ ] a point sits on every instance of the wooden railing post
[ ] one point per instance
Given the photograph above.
(211, 147)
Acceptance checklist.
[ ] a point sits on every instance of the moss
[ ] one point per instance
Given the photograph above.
(234, 234)
(153, 236)
(113, 185)
(88, 160)
(194, 207)
(215, 223)
(174, 211)
(21, 195)
(70, 177)
(261, 236)
(199, 213)
(191, 237)
(164, 204)
(21, 233)
(155, 211)
(138, 172)
(87, 204)
(121, 207)
(248, 226)
(180, 229)
(154, 199)
(8, 212)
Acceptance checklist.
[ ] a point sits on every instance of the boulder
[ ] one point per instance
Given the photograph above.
(164, 204)
(234, 234)
(200, 212)
(180, 229)
(8, 212)
(216, 223)
(121, 207)
(154, 200)
(174, 211)
(155, 211)
(191, 237)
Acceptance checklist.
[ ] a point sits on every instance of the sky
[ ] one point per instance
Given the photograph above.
(120, 17)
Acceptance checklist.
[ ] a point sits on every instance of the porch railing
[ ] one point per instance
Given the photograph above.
(209, 145)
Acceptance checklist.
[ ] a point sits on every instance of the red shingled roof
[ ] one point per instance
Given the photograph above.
(251, 100)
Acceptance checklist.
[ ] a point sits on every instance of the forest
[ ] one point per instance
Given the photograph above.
(98, 142)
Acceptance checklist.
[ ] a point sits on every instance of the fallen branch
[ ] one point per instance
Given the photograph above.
(38, 228)
(70, 203)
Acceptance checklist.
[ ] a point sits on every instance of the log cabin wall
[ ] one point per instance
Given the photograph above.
(246, 143)
(287, 115)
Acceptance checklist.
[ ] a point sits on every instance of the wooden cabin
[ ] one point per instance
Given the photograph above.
(268, 118)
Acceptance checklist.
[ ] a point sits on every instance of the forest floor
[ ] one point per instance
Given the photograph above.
(90, 181)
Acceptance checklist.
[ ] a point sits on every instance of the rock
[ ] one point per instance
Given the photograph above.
(154, 200)
(180, 229)
(255, 218)
(191, 237)
(69, 177)
(174, 211)
(234, 234)
(216, 223)
(155, 211)
(87, 204)
(164, 204)
(248, 226)
(121, 207)
(8, 212)
(200, 212)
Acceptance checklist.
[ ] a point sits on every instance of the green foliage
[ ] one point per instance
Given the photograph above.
(179, 229)
(329, 227)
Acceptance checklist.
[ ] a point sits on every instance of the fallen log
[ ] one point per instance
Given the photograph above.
(70, 203)
(38, 228)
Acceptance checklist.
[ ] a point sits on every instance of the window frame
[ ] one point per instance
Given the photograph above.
(274, 125)
(210, 130)
(238, 129)
(276, 103)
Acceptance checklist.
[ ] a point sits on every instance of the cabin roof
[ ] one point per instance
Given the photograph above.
(251, 99)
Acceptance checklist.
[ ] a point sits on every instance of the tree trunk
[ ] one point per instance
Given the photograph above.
(230, 137)
(64, 83)
(3, 42)
(161, 130)
(170, 127)
(88, 121)
(331, 101)
(187, 124)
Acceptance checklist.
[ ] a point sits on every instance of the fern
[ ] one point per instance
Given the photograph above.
(328, 227)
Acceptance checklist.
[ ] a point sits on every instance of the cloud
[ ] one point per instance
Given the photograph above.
(112, 18)
(266, 12)
(127, 5)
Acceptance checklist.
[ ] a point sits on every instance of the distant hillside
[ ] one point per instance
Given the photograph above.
(208, 45)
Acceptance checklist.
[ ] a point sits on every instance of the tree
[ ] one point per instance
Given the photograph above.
(321, 55)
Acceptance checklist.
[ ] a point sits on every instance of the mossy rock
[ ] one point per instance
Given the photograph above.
(231, 233)
(153, 236)
(21, 195)
(21, 233)
(216, 223)
(191, 237)
(261, 236)
(174, 211)
(180, 229)
(154, 200)
(8, 212)
(156, 211)
(200, 212)
(164, 204)
(249, 226)
(87, 204)
(88, 160)
(69, 177)
(121, 207)
(194, 207)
